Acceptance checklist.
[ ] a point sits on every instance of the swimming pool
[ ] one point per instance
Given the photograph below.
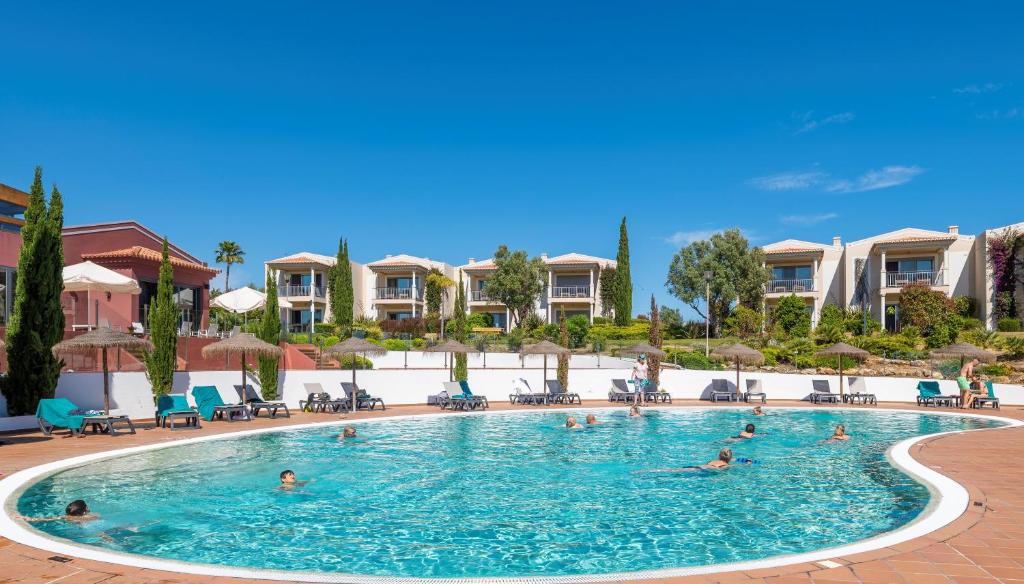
(504, 495)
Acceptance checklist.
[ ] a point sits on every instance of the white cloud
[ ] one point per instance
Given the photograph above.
(808, 219)
(1007, 114)
(681, 238)
(789, 181)
(975, 89)
(809, 123)
(883, 178)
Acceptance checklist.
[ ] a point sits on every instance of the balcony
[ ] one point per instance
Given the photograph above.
(399, 294)
(570, 292)
(480, 296)
(901, 279)
(301, 291)
(790, 286)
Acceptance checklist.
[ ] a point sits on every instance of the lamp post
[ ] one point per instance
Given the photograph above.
(707, 314)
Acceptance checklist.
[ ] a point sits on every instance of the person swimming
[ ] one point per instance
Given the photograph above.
(839, 434)
(77, 511)
(747, 433)
(348, 432)
(592, 420)
(634, 411)
(289, 482)
(572, 424)
(758, 411)
(725, 459)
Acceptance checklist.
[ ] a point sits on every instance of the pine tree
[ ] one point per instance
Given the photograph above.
(270, 331)
(334, 285)
(654, 339)
(563, 360)
(624, 285)
(163, 319)
(37, 321)
(459, 323)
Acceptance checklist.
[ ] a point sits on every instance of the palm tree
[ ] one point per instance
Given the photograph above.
(229, 252)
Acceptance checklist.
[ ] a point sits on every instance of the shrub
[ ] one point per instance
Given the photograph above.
(414, 327)
(597, 343)
(791, 315)
(395, 345)
(912, 334)
(1008, 325)
(327, 341)
(855, 323)
(419, 344)
(578, 327)
(325, 328)
(361, 362)
(966, 306)
(367, 331)
(833, 362)
(744, 322)
(531, 322)
(638, 331)
(1014, 347)
(971, 323)
(602, 320)
(549, 332)
(940, 336)
(692, 360)
(514, 339)
(996, 370)
(479, 320)
(832, 315)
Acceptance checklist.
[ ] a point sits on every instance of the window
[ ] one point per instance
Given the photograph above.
(791, 273)
(910, 265)
(8, 278)
(400, 283)
(399, 315)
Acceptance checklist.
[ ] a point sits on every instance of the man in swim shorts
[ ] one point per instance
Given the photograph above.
(966, 373)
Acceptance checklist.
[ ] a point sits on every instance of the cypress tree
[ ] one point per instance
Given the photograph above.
(163, 320)
(654, 339)
(348, 301)
(624, 285)
(335, 285)
(563, 340)
(270, 331)
(37, 321)
(459, 323)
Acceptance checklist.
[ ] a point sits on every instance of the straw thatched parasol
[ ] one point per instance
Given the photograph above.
(964, 351)
(841, 350)
(644, 349)
(242, 345)
(352, 346)
(544, 348)
(453, 347)
(101, 339)
(739, 353)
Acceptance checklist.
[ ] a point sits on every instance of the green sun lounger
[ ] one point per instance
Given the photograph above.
(990, 399)
(61, 412)
(210, 405)
(173, 407)
(929, 393)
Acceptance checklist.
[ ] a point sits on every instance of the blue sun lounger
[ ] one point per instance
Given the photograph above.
(990, 399)
(173, 407)
(929, 393)
(211, 406)
(61, 412)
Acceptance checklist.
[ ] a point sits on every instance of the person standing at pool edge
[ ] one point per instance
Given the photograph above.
(963, 382)
(639, 376)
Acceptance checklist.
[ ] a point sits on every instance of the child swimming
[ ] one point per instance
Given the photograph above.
(77, 511)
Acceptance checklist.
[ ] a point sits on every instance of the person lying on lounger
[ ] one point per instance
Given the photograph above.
(839, 435)
(76, 510)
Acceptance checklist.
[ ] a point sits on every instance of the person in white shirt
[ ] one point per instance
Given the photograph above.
(639, 376)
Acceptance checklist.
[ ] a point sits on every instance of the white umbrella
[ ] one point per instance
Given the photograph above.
(241, 300)
(89, 277)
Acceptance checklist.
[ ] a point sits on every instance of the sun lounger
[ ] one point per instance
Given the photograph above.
(61, 413)
(755, 391)
(857, 394)
(929, 393)
(363, 399)
(211, 406)
(821, 391)
(173, 407)
(621, 392)
(212, 331)
(559, 395)
(318, 400)
(720, 390)
(653, 393)
(257, 403)
(990, 399)
(460, 397)
(138, 329)
(524, 394)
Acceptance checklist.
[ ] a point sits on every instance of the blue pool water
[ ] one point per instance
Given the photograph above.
(503, 495)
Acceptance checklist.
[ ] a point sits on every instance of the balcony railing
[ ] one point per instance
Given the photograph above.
(570, 292)
(319, 291)
(791, 286)
(901, 279)
(399, 294)
(479, 296)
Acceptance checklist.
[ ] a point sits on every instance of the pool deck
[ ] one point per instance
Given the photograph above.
(984, 545)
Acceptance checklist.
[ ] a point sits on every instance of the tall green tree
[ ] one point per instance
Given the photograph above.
(517, 282)
(461, 333)
(37, 321)
(624, 281)
(736, 269)
(608, 282)
(270, 331)
(228, 253)
(163, 321)
(348, 293)
(437, 285)
(335, 287)
(654, 339)
(562, 373)
(791, 316)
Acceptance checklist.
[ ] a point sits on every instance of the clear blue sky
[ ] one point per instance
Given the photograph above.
(445, 129)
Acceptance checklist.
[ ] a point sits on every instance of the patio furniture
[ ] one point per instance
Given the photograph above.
(990, 399)
(821, 391)
(62, 413)
(620, 391)
(138, 329)
(211, 406)
(653, 393)
(560, 395)
(720, 390)
(929, 393)
(523, 394)
(235, 330)
(257, 403)
(857, 393)
(318, 400)
(755, 390)
(107, 424)
(440, 399)
(363, 399)
(172, 408)
(212, 331)
(460, 396)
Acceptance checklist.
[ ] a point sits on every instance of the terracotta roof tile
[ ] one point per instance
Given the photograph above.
(149, 255)
(792, 250)
(305, 258)
(919, 239)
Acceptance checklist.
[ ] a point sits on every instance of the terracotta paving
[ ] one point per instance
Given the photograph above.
(985, 545)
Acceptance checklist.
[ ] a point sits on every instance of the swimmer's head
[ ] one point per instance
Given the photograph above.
(725, 455)
(840, 430)
(76, 508)
(349, 432)
(757, 409)
(591, 419)
(570, 422)
(287, 477)
(749, 429)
